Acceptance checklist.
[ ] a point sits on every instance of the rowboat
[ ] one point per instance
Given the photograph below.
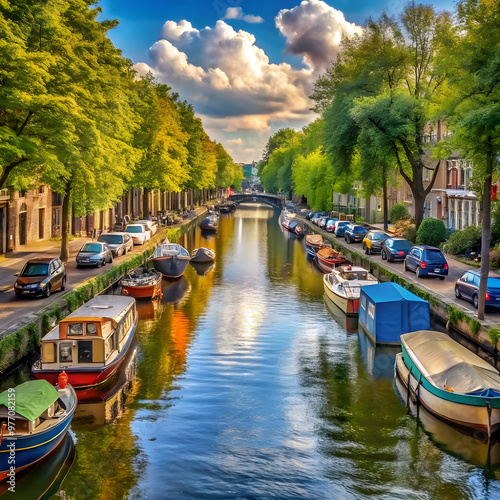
(89, 344)
(343, 286)
(210, 222)
(327, 258)
(313, 243)
(171, 259)
(202, 254)
(450, 381)
(34, 418)
(141, 283)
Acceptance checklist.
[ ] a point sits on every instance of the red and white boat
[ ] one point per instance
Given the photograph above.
(142, 283)
(327, 258)
(91, 343)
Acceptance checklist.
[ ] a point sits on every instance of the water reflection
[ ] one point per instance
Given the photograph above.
(203, 268)
(175, 291)
(378, 360)
(348, 323)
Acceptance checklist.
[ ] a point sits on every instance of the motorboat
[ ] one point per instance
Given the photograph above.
(171, 259)
(343, 286)
(142, 282)
(449, 380)
(202, 254)
(327, 258)
(210, 222)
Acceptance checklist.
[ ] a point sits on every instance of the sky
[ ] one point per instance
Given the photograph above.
(246, 67)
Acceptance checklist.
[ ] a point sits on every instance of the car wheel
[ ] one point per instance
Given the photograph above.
(458, 295)
(383, 255)
(348, 239)
(19, 295)
(475, 301)
(365, 249)
(418, 272)
(441, 277)
(111, 259)
(63, 284)
(389, 258)
(406, 267)
(47, 291)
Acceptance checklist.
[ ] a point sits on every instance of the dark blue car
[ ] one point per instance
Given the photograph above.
(426, 261)
(395, 249)
(354, 233)
(467, 287)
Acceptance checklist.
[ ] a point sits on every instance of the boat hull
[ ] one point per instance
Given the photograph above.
(29, 449)
(202, 255)
(437, 402)
(348, 305)
(142, 292)
(171, 266)
(327, 265)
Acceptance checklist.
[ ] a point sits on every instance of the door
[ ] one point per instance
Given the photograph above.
(41, 220)
(22, 228)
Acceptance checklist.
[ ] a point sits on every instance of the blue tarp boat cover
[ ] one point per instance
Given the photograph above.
(387, 310)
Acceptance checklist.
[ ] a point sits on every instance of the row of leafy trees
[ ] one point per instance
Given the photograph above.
(387, 85)
(74, 115)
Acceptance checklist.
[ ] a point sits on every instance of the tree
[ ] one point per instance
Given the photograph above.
(382, 86)
(474, 107)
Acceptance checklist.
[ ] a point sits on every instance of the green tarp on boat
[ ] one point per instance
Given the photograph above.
(30, 399)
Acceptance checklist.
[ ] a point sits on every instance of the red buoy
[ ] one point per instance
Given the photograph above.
(62, 380)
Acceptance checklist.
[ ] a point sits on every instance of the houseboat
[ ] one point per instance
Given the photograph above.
(89, 344)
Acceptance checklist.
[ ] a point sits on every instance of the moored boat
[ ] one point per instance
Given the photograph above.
(90, 343)
(343, 286)
(141, 283)
(450, 381)
(327, 258)
(202, 254)
(297, 227)
(210, 222)
(227, 207)
(34, 418)
(387, 310)
(171, 259)
(313, 243)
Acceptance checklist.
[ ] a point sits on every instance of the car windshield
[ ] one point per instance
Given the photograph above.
(36, 269)
(402, 245)
(379, 236)
(135, 229)
(91, 247)
(113, 239)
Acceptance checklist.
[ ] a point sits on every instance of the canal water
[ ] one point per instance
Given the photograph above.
(246, 383)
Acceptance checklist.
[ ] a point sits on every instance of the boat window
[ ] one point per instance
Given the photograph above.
(75, 329)
(66, 352)
(91, 329)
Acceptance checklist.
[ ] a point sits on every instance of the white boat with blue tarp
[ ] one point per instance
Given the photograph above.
(387, 310)
(450, 381)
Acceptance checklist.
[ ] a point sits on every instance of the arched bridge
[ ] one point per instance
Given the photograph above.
(274, 200)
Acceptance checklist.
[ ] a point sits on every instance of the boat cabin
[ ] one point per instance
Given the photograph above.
(354, 273)
(94, 334)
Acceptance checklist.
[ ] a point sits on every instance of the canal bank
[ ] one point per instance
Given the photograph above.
(22, 338)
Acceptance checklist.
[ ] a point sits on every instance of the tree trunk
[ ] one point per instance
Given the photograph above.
(145, 203)
(384, 195)
(418, 200)
(66, 212)
(486, 231)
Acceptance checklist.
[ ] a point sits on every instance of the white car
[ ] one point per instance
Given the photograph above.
(151, 226)
(139, 233)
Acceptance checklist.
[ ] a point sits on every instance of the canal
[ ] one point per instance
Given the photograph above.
(245, 384)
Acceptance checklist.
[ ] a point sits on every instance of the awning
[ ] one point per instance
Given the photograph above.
(460, 193)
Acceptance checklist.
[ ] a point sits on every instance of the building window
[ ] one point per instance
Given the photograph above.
(427, 174)
(427, 209)
(56, 199)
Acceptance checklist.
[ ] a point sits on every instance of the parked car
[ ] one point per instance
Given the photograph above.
(40, 276)
(309, 215)
(330, 225)
(426, 261)
(340, 227)
(118, 243)
(322, 221)
(373, 240)
(139, 233)
(395, 249)
(467, 287)
(354, 233)
(151, 226)
(94, 253)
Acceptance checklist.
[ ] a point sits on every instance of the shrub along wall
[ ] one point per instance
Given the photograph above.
(23, 342)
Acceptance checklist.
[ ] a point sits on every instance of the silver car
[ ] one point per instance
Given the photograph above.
(118, 243)
(94, 253)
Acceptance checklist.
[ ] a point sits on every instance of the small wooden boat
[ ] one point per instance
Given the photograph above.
(141, 283)
(343, 286)
(450, 381)
(297, 227)
(210, 222)
(90, 343)
(34, 419)
(327, 258)
(313, 243)
(202, 254)
(387, 310)
(171, 259)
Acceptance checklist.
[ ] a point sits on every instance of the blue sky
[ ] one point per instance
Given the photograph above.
(247, 67)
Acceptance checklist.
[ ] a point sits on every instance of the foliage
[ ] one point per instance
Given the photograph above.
(463, 240)
(495, 258)
(398, 211)
(431, 232)
(494, 334)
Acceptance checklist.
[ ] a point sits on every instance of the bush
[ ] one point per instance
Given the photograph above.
(431, 232)
(397, 212)
(495, 258)
(461, 241)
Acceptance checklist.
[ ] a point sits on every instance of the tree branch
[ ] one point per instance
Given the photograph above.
(8, 169)
(30, 114)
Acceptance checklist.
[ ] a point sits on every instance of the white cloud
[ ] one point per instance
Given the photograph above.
(237, 13)
(314, 29)
(230, 81)
(238, 141)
